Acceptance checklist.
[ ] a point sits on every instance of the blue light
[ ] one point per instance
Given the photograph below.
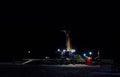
(84, 54)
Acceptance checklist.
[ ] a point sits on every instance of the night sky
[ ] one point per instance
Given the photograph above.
(40, 34)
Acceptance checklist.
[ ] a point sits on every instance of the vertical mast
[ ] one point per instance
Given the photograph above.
(68, 44)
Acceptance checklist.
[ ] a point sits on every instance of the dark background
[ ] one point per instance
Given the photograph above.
(38, 30)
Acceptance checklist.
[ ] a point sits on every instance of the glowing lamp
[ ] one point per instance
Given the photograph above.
(84, 54)
(28, 51)
(90, 53)
(58, 49)
(73, 50)
(64, 50)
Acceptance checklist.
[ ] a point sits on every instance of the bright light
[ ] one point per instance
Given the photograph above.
(90, 53)
(84, 54)
(64, 50)
(28, 51)
(73, 50)
(58, 49)
(46, 57)
(89, 58)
